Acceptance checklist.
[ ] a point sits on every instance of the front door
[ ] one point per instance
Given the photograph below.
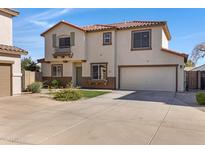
(78, 76)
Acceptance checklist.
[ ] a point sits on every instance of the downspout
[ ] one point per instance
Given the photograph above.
(115, 60)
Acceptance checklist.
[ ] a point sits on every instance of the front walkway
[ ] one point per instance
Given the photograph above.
(121, 117)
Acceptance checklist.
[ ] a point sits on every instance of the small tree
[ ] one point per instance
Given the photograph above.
(190, 63)
(29, 64)
(198, 52)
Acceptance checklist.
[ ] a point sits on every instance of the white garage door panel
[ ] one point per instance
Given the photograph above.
(148, 78)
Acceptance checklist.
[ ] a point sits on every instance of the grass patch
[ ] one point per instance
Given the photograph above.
(92, 93)
(72, 94)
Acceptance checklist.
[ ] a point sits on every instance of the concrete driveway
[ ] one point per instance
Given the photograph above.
(121, 117)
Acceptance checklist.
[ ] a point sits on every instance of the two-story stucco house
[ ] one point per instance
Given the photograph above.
(129, 55)
(10, 56)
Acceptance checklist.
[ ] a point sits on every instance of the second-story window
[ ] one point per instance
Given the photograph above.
(64, 42)
(141, 39)
(107, 38)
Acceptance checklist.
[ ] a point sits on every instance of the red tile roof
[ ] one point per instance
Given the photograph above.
(117, 26)
(124, 25)
(11, 12)
(176, 53)
(62, 22)
(98, 27)
(12, 49)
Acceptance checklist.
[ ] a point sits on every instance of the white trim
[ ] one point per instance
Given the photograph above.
(17, 75)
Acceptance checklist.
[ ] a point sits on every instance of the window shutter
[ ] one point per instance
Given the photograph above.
(54, 40)
(72, 38)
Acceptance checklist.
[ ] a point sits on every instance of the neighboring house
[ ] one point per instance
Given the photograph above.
(196, 77)
(199, 68)
(10, 56)
(129, 55)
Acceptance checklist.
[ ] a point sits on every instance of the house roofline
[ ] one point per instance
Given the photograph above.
(61, 22)
(185, 56)
(166, 31)
(197, 67)
(6, 49)
(163, 24)
(11, 12)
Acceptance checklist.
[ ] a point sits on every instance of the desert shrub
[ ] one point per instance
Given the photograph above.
(200, 97)
(55, 83)
(50, 90)
(35, 87)
(69, 84)
(67, 95)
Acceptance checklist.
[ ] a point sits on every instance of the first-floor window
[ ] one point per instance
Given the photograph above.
(57, 70)
(99, 71)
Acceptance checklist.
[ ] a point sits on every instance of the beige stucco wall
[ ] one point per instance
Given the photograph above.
(147, 57)
(16, 73)
(46, 69)
(89, 46)
(78, 49)
(67, 68)
(5, 29)
(6, 39)
(96, 52)
(153, 56)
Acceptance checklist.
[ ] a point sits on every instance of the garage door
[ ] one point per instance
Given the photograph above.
(148, 78)
(5, 80)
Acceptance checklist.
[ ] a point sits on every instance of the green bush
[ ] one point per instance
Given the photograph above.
(200, 97)
(67, 95)
(35, 87)
(55, 83)
(69, 84)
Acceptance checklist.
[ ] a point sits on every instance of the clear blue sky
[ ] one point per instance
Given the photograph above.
(187, 26)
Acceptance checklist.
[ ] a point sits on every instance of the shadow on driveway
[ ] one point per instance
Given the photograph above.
(150, 96)
(180, 99)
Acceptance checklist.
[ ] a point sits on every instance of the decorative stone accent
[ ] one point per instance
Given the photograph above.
(63, 80)
(87, 82)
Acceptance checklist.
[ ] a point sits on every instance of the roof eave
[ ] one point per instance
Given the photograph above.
(185, 56)
(166, 31)
(198, 67)
(11, 12)
(12, 50)
(14, 53)
(61, 22)
(100, 30)
(164, 27)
